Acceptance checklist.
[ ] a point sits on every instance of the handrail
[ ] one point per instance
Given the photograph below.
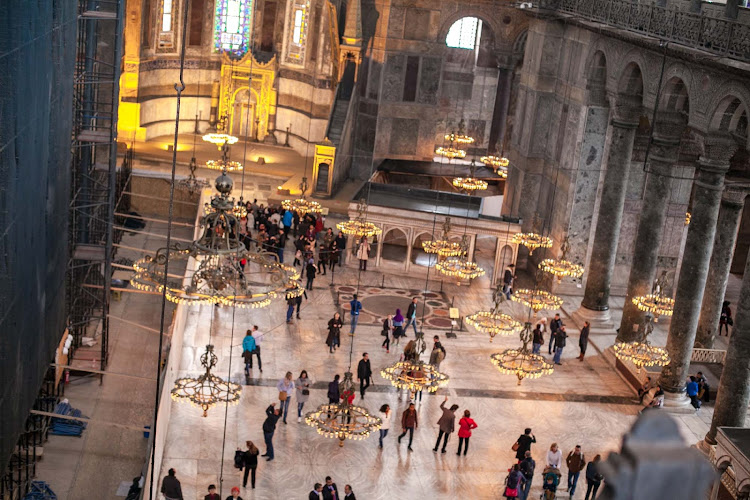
(708, 356)
(725, 37)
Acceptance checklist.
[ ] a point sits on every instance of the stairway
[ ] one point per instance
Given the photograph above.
(341, 104)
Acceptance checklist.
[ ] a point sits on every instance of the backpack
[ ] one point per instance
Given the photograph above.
(239, 459)
(527, 469)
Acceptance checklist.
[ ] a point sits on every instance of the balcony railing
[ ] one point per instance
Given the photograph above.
(725, 37)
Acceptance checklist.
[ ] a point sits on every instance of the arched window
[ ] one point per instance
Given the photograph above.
(233, 22)
(463, 34)
(297, 31)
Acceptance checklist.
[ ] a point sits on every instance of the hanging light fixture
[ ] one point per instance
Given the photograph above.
(450, 152)
(359, 226)
(459, 136)
(498, 163)
(522, 362)
(470, 183)
(561, 267)
(224, 164)
(207, 390)
(443, 246)
(191, 184)
(414, 374)
(657, 302)
(688, 217)
(640, 352)
(532, 241)
(537, 299)
(494, 322)
(219, 135)
(460, 267)
(221, 277)
(343, 420)
(302, 205)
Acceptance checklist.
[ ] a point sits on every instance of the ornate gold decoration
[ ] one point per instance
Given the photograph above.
(656, 303)
(443, 246)
(414, 376)
(450, 152)
(532, 241)
(359, 226)
(522, 362)
(459, 136)
(302, 205)
(640, 352)
(561, 267)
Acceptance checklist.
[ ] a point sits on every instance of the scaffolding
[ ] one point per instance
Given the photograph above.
(96, 182)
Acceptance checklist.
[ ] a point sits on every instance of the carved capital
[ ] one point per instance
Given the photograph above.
(669, 127)
(718, 148)
(627, 111)
(735, 193)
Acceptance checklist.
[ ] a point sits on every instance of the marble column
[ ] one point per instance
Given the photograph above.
(662, 158)
(607, 233)
(733, 394)
(708, 186)
(730, 212)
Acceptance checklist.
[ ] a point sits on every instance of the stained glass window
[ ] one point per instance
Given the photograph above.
(297, 38)
(233, 23)
(463, 33)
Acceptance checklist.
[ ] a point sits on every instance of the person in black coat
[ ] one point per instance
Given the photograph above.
(560, 336)
(273, 415)
(349, 493)
(330, 491)
(316, 493)
(524, 443)
(333, 390)
(311, 270)
(554, 326)
(583, 340)
(364, 374)
(250, 462)
(170, 486)
(334, 332)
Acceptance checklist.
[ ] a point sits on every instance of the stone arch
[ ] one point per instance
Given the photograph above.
(519, 42)
(469, 11)
(506, 257)
(730, 109)
(418, 255)
(676, 89)
(631, 81)
(395, 245)
(596, 78)
(634, 58)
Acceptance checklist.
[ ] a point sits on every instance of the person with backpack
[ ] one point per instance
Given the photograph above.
(527, 467)
(438, 353)
(248, 348)
(513, 482)
(250, 462)
(465, 426)
(354, 307)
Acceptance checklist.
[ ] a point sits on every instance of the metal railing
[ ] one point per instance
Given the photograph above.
(725, 37)
(708, 356)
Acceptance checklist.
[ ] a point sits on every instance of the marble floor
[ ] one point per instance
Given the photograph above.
(584, 403)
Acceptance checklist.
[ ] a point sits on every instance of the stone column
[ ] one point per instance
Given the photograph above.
(607, 234)
(730, 212)
(662, 158)
(708, 186)
(733, 394)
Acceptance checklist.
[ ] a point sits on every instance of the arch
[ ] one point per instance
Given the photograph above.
(676, 90)
(596, 81)
(394, 245)
(243, 97)
(636, 58)
(468, 11)
(631, 80)
(418, 255)
(730, 109)
(519, 42)
(506, 257)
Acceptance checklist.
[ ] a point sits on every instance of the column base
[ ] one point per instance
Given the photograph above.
(600, 320)
(677, 403)
(706, 448)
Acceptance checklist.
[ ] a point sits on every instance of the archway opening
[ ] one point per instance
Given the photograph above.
(418, 255)
(394, 246)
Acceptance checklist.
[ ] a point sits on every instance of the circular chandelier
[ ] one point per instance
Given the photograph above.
(459, 136)
(561, 267)
(302, 205)
(227, 273)
(495, 162)
(522, 362)
(443, 247)
(414, 375)
(459, 268)
(494, 322)
(219, 135)
(537, 299)
(239, 209)
(450, 152)
(656, 303)
(343, 420)
(470, 183)
(640, 352)
(226, 165)
(191, 184)
(532, 241)
(359, 226)
(207, 390)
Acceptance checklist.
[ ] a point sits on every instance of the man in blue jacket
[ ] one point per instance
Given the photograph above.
(355, 306)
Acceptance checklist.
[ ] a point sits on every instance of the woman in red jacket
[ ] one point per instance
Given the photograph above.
(465, 425)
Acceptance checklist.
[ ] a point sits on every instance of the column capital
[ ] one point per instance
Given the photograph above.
(718, 149)
(735, 193)
(627, 111)
(669, 127)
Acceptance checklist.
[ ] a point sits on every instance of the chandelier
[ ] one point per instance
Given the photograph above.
(239, 209)
(522, 362)
(227, 273)
(207, 390)
(532, 241)
(688, 217)
(470, 183)
(460, 267)
(443, 247)
(219, 135)
(493, 321)
(302, 205)
(561, 267)
(537, 299)
(414, 375)
(496, 162)
(343, 420)
(450, 152)
(359, 227)
(640, 352)
(656, 303)
(226, 165)
(191, 184)
(459, 137)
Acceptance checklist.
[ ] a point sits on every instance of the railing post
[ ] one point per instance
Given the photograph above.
(650, 18)
(729, 36)
(699, 41)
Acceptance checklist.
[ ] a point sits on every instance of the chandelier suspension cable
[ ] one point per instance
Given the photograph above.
(247, 118)
(179, 88)
(226, 402)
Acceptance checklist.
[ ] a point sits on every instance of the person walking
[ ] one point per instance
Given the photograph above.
(560, 337)
(285, 388)
(583, 339)
(273, 415)
(235, 494)
(554, 326)
(334, 332)
(333, 390)
(537, 339)
(398, 326)
(386, 332)
(248, 347)
(311, 271)
(438, 353)
(364, 374)
(290, 303)
(593, 478)
(171, 487)
(212, 495)
(258, 338)
(411, 316)
(554, 457)
(446, 424)
(250, 462)
(330, 490)
(575, 461)
(725, 319)
(409, 422)
(513, 482)
(355, 307)
(298, 301)
(385, 416)
(527, 467)
(363, 253)
(465, 426)
(333, 255)
(524, 442)
(302, 392)
(691, 388)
